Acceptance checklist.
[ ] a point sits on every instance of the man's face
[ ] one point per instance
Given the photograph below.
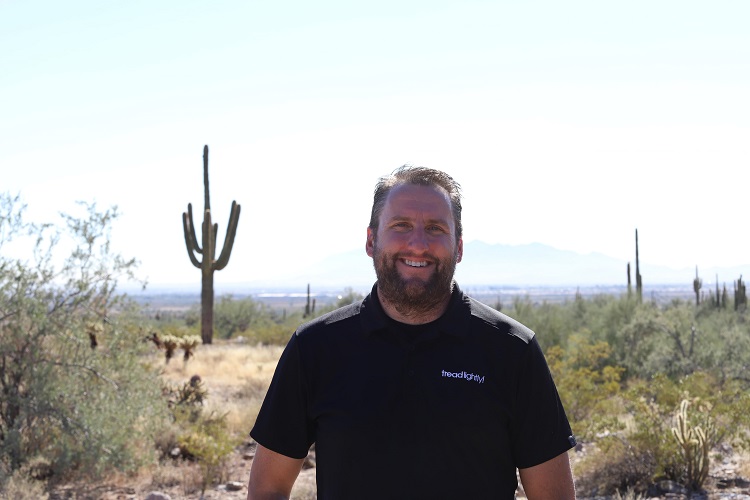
(414, 250)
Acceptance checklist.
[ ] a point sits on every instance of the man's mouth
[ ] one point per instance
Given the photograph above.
(415, 263)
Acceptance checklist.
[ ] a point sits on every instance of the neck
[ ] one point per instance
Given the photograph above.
(412, 316)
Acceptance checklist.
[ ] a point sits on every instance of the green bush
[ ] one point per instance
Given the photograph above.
(588, 386)
(74, 389)
(233, 316)
(200, 437)
(252, 319)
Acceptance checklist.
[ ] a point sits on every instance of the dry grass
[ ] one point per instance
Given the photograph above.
(744, 461)
(236, 376)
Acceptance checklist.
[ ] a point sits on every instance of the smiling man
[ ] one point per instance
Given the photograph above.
(418, 391)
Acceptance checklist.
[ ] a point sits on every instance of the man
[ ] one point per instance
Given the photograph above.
(417, 391)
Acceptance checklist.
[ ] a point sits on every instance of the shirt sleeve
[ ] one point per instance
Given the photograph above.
(540, 429)
(283, 425)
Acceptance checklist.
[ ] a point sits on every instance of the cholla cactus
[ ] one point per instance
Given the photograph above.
(189, 344)
(169, 343)
(695, 443)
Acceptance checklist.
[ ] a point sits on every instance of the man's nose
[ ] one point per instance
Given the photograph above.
(418, 239)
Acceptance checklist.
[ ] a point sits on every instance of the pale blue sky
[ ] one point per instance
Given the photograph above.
(567, 123)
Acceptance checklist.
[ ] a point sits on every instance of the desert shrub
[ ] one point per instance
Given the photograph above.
(602, 315)
(588, 386)
(208, 441)
(22, 485)
(549, 321)
(202, 437)
(74, 389)
(725, 349)
(679, 339)
(233, 316)
(349, 296)
(612, 467)
(271, 334)
(254, 320)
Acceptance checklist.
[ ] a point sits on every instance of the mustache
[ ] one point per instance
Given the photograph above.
(411, 256)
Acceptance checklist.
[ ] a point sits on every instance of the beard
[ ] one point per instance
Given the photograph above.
(410, 296)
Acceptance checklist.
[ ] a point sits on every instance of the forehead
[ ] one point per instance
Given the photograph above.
(412, 200)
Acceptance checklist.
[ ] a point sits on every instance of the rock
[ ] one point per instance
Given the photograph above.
(248, 456)
(667, 487)
(156, 495)
(235, 486)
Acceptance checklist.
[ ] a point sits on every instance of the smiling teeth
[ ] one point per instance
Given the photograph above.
(414, 263)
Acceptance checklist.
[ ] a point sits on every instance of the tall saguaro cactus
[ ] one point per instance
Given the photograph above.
(740, 295)
(207, 248)
(697, 284)
(638, 280)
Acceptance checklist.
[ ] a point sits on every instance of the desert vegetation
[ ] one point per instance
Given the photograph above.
(95, 389)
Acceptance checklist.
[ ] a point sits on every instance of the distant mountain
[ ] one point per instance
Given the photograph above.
(483, 264)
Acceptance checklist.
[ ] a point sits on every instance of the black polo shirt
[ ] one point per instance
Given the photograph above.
(447, 410)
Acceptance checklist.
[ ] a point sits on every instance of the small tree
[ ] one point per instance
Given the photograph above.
(72, 387)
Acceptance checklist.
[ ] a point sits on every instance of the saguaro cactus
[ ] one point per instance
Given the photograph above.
(629, 288)
(638, 281)
(697, 284)
(718, 295)
(740, 295)
(207, 248)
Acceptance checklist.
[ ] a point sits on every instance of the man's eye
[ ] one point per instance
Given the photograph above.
(435, 229)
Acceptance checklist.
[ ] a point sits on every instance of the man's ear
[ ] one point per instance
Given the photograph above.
(460, 250)
(370, 243)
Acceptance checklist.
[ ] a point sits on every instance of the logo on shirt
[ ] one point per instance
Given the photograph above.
(473, 377)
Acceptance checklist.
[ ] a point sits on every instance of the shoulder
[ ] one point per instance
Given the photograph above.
(490, 320)
(344, 317)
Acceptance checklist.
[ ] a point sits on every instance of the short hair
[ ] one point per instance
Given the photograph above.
(420, 176)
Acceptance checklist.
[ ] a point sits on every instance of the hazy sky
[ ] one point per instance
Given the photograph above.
(567, 123)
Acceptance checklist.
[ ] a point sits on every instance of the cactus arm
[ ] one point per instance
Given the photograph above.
(214, 237)
(206, 198)
(189, 227)
(234, 217)
(190, 242)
